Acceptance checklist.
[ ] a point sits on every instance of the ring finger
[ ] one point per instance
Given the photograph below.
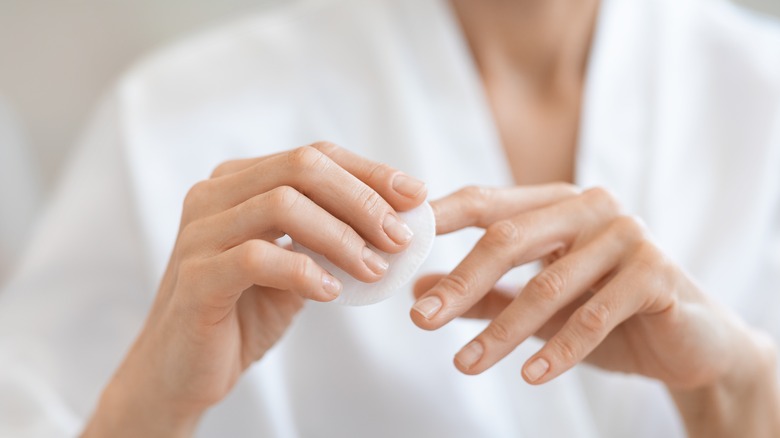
(284, 210)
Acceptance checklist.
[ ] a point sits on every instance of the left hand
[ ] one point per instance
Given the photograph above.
(606, 295)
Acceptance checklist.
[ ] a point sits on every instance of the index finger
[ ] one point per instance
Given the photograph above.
(400, 190)
(482, 206)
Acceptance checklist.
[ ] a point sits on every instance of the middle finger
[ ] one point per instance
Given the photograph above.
(322, 180)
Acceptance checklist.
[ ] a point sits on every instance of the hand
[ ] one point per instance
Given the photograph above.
(230, 291)
(606, 294)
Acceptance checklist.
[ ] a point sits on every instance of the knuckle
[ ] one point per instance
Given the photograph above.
(371, 202)
(548, 286)
(603, 199)
(500, 331)
(648, 253)
(628, 229)
(474, 198)
(647, 258)
(283, 198)
(593, 318)
(565, 349)
(599, 193)
(652, 268)
(306, 159)
(379, 171)
(502, 234)
(196, 194)
(472, 194)
(252, 255)
(195, 201)
(189, 235)
(223, 168)
(347, 236)
(566, 189)
(456, 285)
(300, 271)
(325, 147)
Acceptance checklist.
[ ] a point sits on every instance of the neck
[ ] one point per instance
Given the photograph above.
(544, 42)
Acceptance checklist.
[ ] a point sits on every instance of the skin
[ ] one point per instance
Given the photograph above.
(606, 295)
(229, 291)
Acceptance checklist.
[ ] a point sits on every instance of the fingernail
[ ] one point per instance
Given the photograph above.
(374, 261)
(470, 354)
(397, 230)
(428, 306)
(331, 285)
(536, 369)
(407, 186)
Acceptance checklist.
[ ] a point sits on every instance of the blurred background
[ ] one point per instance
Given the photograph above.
(58, 56)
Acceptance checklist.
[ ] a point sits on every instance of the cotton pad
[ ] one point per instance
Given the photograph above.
(402, 267)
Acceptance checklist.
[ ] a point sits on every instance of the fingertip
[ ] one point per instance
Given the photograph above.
(375, 263)
(409, 187)
(425, 310)
(331, 287)
(398, 231)
(536, 371)
(468, 358)
(420, 321)
(404, 201)
(463, 369)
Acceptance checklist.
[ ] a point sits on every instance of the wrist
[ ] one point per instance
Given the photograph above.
(743, 401)
(129, 407)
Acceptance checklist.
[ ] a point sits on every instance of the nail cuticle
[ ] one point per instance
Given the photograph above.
(331, 285)
(397, 230)
(470, 354)
(408, 186)
(536, 369)
(428, 307)
(374, 262)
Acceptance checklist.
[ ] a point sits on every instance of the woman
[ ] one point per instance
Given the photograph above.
(672, 107)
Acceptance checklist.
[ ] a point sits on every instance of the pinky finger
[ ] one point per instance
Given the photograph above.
(585, 329)
(262, 263)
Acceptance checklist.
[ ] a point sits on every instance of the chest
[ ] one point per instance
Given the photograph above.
(538, 131)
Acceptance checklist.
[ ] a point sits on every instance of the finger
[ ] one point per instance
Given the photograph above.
(505, 245)
(629, 293)
(314, 174)
(233, 166)
(482, 206)
(217, 282)
(399, 189)
(402, 191)
(284, 210)
(487, 308)
(554, 288)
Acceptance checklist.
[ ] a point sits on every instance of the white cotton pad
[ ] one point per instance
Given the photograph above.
(402, 267)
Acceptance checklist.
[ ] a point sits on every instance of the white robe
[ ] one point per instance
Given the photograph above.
(19, 189)
(681, 119)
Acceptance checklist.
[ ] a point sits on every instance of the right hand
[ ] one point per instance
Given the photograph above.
(229, 291)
